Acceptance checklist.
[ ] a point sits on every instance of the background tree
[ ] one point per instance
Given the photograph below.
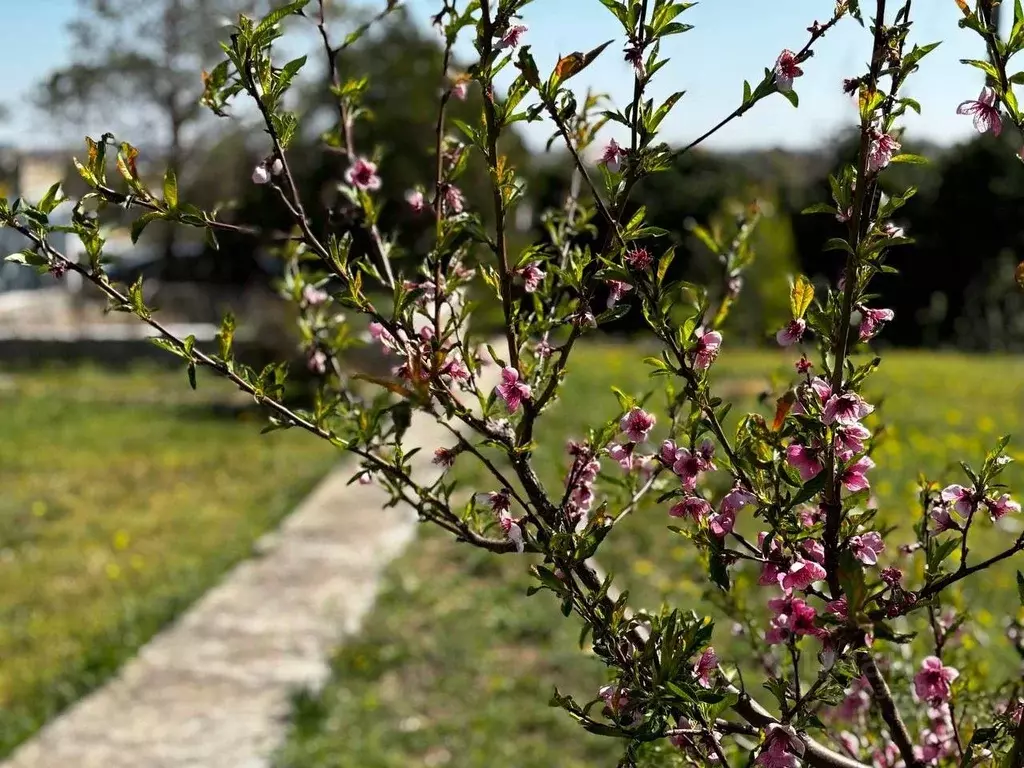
(135, 63)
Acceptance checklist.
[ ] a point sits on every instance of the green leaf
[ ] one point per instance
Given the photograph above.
(791, 97)
(166, 346)
(984, 66)
(625, 401)
(192, 375)
(809, 490)
(705, 237)
(917, 53)
(665, 262)
(800, 296)
(54, 196)
(170, 189)
(837, 244)
(819, 208)
(142, 222)
(26, 257)
(909, 159)
(851, 579)
(278, 14)
(136, 299)
(226, 335)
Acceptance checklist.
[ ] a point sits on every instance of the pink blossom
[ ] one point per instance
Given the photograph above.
(444, 457)
(668, 451)
(261, 174)
(821, 388)
(532, 274)
(849, 440)
(582, 498)
(866, 547)
(887, 756)
(883, 147)
(706, 456)
(616, 289)
(639, 258)
(770, 572)
(687, 467)
(722, 523)
(942, 519)
(786, 70)
(811, 516)
(801, 575)
(314, 296)
(455, 369)
(615, 697)
(499, 501)
(460, 88)
(793, 618)
(846, 409)
(838, 608)
(512, 530)
(512, 390)
(854, 477)
(777, 756)
(1002, 506)
(417, 202)
(634, 55)
(511, 37)
(850, 743)
(792, 333)
(737, 499)
(623, 454)
(317, 362)
(543, 349)
(705, 666)
(815, 550)
(637, 424)
(380, 334)
(891, 230)
(803, 365)
(691, 506)
(782, 748)
(985, 110)
(892, 576)
(858, 700)
(872, 322)
(612, 156)
(454, 201)
(932, 682)
(583, 319)
(362, 174)
(804, 460)
(645, 465)
(706, 350)
(961, 498)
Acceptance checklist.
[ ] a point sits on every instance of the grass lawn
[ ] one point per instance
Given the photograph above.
(456, 665)
(125, 496)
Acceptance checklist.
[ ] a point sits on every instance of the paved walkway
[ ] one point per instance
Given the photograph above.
(213, 690)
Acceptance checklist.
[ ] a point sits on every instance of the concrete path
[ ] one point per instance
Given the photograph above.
(213, 689)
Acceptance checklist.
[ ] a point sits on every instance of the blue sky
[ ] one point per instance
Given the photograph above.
(733, 40)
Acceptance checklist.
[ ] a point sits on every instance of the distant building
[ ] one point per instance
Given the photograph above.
(28, 175)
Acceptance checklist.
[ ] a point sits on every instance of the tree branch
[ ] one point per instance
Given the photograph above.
(887, 707)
